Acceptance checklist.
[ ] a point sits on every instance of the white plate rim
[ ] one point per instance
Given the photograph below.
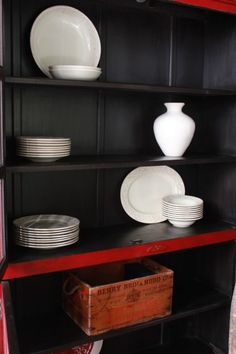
(70, 219)
(47, 246)
(36, 23)
(131, 177)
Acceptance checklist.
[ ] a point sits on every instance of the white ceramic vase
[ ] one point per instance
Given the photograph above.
(174, 130)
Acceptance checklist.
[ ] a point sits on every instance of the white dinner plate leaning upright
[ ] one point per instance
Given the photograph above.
(63, 35)
(143, 189)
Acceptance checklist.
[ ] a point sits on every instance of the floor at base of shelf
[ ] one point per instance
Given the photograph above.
(184, 346)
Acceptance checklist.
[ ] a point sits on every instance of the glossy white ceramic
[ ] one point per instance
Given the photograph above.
(64, 35)
(183, 201)
(75, 74)
(46, 231)
(40, 149)
(143, 189)
(75, 67)
(182, 210)
(174, 130)
(52, 222)
(179, 223)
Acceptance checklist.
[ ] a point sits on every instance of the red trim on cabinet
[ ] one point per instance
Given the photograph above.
(1, 323)
(3, 328)
(223, 5)
(48, 265)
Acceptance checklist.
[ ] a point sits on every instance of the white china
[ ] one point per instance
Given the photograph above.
(76, 73)
(46, 241)
(179, 223)
(143, 189)
(42, 149)
(46, 222)
(174, 130)
(74, 67)
(182, 201)
(64, 35)
(46, 231)
(44, 159)
(50, 154)
(182, 210)
(30, 245)
(42, 138)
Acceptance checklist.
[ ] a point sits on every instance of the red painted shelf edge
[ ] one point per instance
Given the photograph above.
(223, 6)
(50, 265)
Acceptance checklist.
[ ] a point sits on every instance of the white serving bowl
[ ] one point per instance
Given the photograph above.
(75, 72)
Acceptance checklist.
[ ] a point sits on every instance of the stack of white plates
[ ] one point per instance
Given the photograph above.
(42, 149)
(46, 231)
(182, 210)
(75, 72)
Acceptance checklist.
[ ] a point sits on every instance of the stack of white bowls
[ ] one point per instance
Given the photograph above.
(46, 231)
(182, 210)
(75, 72)
(42, 149)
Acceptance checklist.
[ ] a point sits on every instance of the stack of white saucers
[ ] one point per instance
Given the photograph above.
(75, 72)
(46, 231)
(42, 149)
(182, 210)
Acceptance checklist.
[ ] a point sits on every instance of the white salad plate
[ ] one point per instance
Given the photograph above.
(43, 159)
(143, 189)
(42, 139)
(46, 222)
(46, 246)
(43, 153)
(46, 242)
(44, 235)
(46, 231)
(64, 35)
(43, 156)
(43, 150)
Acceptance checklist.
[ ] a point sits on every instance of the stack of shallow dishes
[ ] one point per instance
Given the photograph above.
(75, 72)
(46, 231)
(42, 149)
(182, 210)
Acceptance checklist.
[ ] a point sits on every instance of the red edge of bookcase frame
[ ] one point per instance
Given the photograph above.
(223, 6)
(3, 328)
(49, 265)
(1, 323)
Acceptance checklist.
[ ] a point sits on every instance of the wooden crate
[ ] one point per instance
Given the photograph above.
(99, 298)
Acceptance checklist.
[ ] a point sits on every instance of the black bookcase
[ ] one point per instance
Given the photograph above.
(152, 52)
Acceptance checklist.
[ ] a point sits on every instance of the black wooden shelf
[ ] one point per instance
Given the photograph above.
(73, 163)
(38, 81)
(123, 236)
(55, 331)
(184, 346)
